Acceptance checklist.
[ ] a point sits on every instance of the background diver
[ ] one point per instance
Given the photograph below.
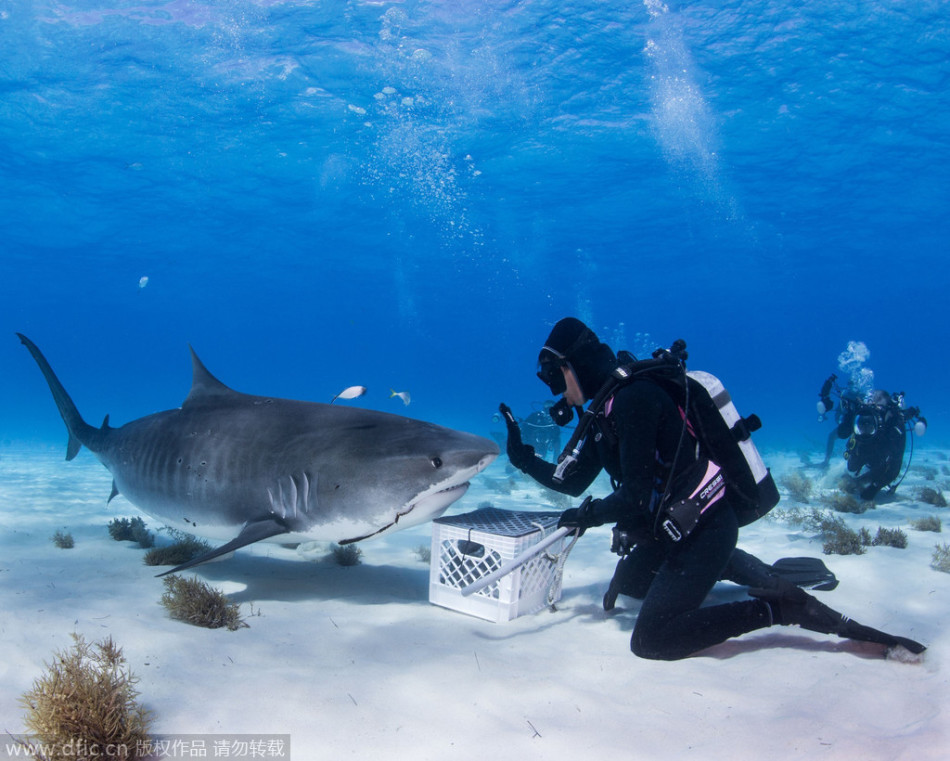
(640, 439)
(538, 430)
(876, 430)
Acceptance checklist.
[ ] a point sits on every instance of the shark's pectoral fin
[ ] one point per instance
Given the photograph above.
(253, 531)
(72, 447)
(115, 493)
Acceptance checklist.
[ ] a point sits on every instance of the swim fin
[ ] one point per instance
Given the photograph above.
(747, 570)
(744, 569)
(810, 573)
(792, 606)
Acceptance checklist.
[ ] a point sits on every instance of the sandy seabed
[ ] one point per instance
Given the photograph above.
(355, 662)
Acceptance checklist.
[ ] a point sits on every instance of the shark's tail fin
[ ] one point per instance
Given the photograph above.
(77, 427)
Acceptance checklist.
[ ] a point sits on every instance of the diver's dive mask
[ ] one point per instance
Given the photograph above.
(549, 371)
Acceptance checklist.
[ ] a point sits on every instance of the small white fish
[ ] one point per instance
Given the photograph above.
(143, 281)
(351, 392)
(404, 395)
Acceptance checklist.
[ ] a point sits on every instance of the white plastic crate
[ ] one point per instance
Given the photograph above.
(467, 547)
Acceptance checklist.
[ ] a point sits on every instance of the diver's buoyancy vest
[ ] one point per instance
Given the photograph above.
(724, 436)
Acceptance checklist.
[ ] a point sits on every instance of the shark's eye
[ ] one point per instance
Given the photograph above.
(436, 462)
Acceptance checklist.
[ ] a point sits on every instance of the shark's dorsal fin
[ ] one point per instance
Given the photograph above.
(203, 384)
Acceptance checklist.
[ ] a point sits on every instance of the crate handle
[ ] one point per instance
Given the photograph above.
(516, 562)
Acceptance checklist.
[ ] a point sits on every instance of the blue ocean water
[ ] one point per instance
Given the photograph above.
(407, 195)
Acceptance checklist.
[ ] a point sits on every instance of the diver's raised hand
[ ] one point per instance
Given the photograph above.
(520, 455)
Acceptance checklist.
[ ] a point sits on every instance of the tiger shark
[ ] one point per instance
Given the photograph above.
(231, 466)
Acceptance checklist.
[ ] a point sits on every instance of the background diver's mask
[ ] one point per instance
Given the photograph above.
(865, 425)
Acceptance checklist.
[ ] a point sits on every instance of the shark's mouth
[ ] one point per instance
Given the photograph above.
(424, 508)
(432, 502)
(433, 505)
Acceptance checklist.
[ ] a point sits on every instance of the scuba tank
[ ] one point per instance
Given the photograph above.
(724, 436)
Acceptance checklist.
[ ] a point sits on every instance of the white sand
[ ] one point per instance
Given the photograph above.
(356, 663)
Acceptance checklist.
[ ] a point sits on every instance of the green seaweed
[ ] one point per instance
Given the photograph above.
(890, 537)
(927, 523)
(799, 486)
(193, 601)
(808, 519)
(63, 541)
(86, 700)
(184, 549)
(347, 554)
(842, 502)
(838, 539)
(131, 530)
(941, 558)
(931, 497)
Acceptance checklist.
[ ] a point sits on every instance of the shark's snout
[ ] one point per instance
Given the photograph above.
(436, 500)
(487, 460)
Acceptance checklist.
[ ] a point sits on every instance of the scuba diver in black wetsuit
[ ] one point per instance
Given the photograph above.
(848, 399)
(876, 431)
(541, 432)
(877, 437)
(640, 438)
(538, 430)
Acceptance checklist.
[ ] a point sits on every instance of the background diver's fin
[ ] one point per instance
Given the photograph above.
(253, 531)
(810, 573)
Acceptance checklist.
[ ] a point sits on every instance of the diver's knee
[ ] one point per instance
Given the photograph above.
(651, 648)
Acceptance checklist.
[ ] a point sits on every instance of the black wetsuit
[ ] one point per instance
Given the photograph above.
(635, 439)
(880, 452)
(539, 430)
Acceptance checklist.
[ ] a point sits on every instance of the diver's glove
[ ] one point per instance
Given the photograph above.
(582, 518)
(520, 455)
